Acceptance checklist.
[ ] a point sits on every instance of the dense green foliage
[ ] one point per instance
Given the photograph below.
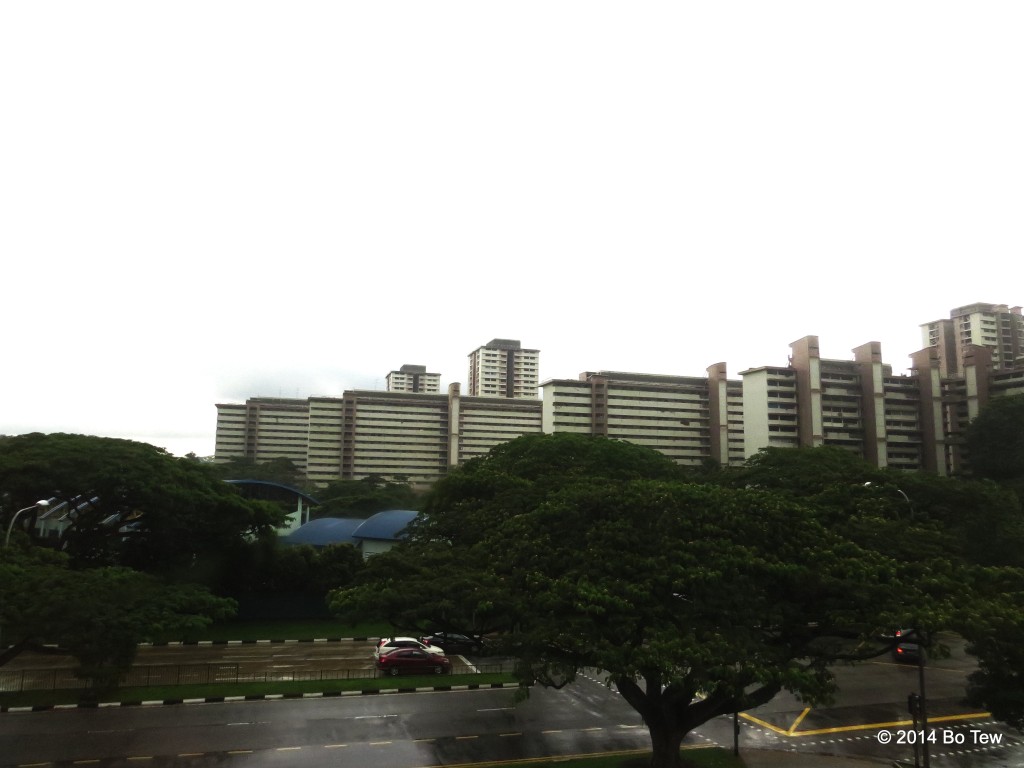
(98, 615)
(273, 578)
(278, 470)
(365, 497)
(995, 442)
(590, 552)
(135, 505)
(697, 598)
(137, 532)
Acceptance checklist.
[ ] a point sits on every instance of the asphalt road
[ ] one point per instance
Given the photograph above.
(386, 731)
(173, 664)
(427, 729)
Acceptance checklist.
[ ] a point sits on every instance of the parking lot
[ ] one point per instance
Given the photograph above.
(208, 663)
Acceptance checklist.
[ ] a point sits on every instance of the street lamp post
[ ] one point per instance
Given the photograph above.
(10, 526)
(7, 540)
(920, 700)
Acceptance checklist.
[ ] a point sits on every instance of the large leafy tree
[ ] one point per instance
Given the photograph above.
(97, 615)
(995, 441)
(365, 497)
(697, 600)
(277, 470)
(130, 503)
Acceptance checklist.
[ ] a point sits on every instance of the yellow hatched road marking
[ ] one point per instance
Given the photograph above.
(863, 727)
(797, 722)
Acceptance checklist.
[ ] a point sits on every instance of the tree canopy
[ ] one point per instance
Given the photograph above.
(697, 599)
(97, 615)
(995, 441)
(364, 497)
(129, 503)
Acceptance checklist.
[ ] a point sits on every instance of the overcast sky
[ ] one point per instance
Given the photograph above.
(202, 202)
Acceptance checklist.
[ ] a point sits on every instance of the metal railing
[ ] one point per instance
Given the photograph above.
(17, 681)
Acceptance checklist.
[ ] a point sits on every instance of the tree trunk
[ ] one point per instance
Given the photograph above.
(665, 744)
(664, 716)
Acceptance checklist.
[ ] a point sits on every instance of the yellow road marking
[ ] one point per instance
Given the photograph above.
(796, 722)
(863, 727)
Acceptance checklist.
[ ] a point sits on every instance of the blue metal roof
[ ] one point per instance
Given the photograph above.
(325, 531)
(385, 526)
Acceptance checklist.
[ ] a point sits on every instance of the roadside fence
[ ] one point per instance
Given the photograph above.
(16, 681)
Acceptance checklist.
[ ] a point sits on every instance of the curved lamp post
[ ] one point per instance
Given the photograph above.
(7, 540)
(10, 526)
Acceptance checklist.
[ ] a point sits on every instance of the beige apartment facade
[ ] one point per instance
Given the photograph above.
(262, 429)
(414, 378)
(997, 327)
(502, 368)
(857, 405)
(397, 435)
(692, 420)
(913, 421)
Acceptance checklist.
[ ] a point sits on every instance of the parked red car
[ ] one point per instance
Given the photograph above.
(413, 661)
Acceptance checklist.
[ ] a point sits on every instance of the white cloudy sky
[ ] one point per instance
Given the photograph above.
(206, 201)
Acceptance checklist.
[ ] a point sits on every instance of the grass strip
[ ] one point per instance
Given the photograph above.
(272, 688)
(283, 630)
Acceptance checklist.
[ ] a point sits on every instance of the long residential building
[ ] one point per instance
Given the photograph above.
(690, 419)
(407, 435)
(913, 421)
(854, 404)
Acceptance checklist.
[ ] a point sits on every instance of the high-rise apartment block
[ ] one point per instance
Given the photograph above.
(996, 327)
(690, 419)
(414, 378)
(502, 368)
(416, 436)
(854, 404)
(913, 421)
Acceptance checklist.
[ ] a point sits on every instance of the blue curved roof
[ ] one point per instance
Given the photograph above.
(325, 531)
(385, 526)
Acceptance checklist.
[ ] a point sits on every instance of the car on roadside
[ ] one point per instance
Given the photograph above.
(389, 644)
(413, 661)
(453, 642)
(906, 647)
